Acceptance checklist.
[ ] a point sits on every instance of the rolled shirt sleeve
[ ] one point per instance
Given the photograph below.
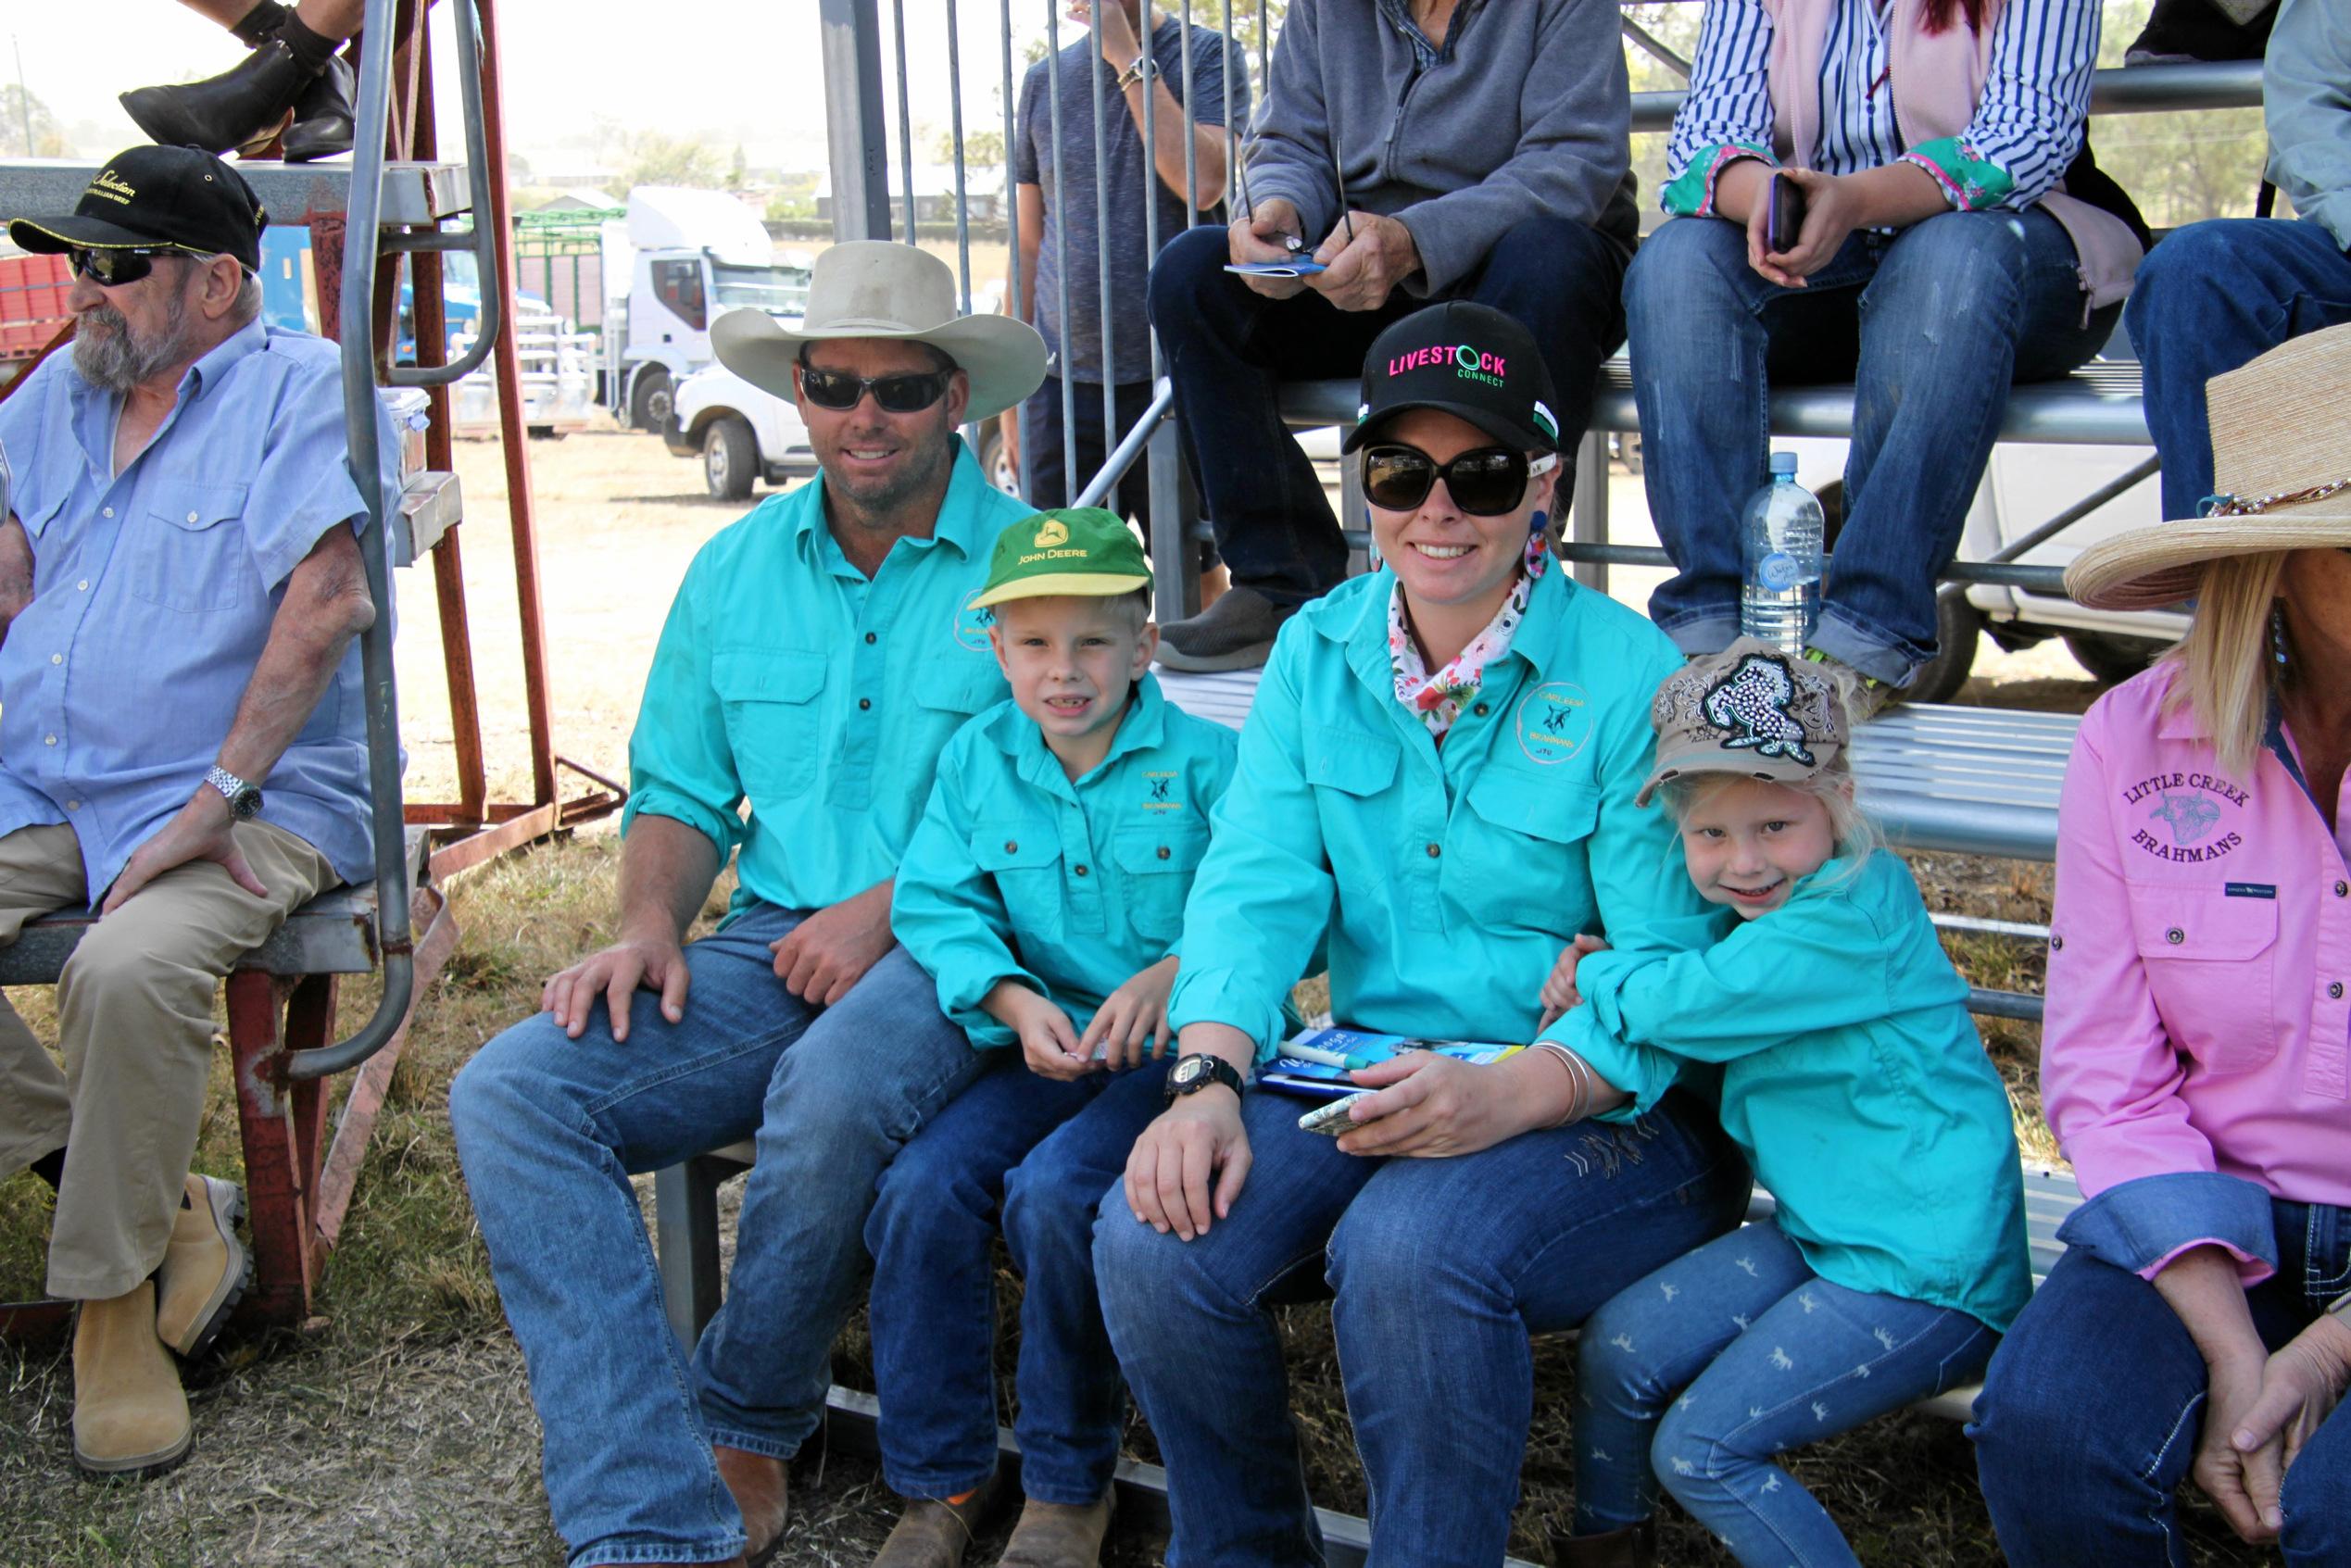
(2029, 120)
(1728, 114)
(946, 910)
(680, 763)
(2306, 101)
(1262, 900)
(2110, 1075)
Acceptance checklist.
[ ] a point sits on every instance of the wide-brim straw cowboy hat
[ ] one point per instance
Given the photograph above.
(2281, 472)
(881, 289)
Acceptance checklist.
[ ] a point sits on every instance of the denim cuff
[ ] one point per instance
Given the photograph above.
(1700, 633)
(1855, 648)
(2144, 1223)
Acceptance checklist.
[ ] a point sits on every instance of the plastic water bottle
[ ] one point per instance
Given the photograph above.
(1780, 549)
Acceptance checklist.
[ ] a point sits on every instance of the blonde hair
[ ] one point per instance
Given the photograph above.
(2225, 675)
(1855, 835)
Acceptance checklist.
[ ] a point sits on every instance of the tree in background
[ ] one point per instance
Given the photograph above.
(653, 159)
(27, 128)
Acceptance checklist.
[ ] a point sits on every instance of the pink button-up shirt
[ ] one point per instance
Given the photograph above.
(2199, 992)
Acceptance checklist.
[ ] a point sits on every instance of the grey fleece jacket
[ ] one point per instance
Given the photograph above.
(1525, 113)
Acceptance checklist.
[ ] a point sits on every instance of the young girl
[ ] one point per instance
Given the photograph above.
(1856, 1083)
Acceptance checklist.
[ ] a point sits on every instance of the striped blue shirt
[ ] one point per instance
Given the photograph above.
(2027, 124)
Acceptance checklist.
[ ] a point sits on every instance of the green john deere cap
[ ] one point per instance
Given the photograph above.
(1079, 550)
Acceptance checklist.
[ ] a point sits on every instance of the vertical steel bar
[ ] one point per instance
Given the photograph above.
(855, 141)
(1225, 53)
(1061, 249)
(1589, 505)
(905, 119)
(1096, 68)
(1151, 171)
(1015, 302)
(955, 118)
(1191, 147)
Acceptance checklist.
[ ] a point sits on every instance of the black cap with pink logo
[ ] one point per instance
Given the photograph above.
(1466, 359)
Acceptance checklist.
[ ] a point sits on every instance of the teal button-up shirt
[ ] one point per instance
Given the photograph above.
(1071, 888)
(1852, 1077)
(787, 678)
(1448, 877)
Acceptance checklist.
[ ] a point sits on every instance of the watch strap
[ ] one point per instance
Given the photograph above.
(1133, 73)
(243, 799)
(1217, 1071)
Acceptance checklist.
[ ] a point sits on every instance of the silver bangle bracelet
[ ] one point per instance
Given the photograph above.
(1579, 1076)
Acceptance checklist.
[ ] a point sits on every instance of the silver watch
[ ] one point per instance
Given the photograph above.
(244, 800)
(2340, 1308)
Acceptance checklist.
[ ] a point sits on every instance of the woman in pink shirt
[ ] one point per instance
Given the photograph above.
(2196, 1059)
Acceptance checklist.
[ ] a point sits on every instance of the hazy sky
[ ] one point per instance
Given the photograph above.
(735, 70)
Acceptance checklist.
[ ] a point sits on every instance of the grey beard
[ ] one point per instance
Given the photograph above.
(117, 361)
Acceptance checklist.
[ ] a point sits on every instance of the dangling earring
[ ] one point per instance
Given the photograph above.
(2278, 636)
(1536, 558)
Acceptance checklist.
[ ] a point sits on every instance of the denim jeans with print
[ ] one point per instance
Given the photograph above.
(1696, 1377)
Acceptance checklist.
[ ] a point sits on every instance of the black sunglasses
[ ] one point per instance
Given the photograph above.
(1486, 482)
(111, 267)
(906, 394)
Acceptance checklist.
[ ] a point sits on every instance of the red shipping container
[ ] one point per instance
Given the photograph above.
(32, 303)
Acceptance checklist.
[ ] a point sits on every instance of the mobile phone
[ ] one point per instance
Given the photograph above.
(1785, 220)
(1331, 1118)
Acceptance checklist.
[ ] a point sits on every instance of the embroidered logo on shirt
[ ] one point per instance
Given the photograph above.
(1751, 703)
(1554, 721)
(1161, 791)
(972, 623)
(2183, 821)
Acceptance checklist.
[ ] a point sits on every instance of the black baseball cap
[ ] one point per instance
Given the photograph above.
(1468, 359)
(182, 198)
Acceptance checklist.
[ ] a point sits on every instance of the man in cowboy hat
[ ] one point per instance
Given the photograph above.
(180, 586)
(818, 656)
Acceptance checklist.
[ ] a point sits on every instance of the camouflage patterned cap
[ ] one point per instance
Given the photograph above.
(1751, 711)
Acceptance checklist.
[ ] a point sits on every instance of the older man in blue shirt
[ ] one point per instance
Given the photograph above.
(819, 654)
(180, 586)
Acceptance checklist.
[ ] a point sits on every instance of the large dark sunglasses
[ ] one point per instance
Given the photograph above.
(1486, 482)
(111, 268)
(896, 395)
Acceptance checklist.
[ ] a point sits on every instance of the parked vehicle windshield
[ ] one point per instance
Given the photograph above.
(779, 291)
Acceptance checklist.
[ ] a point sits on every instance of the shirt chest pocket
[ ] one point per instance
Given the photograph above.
(1155, 865)
(946, 692)
(1026, 860)
(1352, 772)
(771, 698)
(1516, 857)
(2210, 961)
(187, 553)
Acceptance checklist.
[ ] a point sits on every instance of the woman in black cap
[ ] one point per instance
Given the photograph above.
(1436, 783)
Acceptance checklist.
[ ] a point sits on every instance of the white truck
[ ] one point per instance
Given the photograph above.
(744, 435)
(678, 260)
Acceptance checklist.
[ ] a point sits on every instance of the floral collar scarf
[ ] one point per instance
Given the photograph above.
(1437, 697)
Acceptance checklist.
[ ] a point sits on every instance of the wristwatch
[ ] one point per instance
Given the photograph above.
(2340, 1308)
(1194, 1072)
(1132, 74)
(244, 800)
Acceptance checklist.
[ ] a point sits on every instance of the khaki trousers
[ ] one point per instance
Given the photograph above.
(134, 1025)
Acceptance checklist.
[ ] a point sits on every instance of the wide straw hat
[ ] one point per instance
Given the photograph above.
(2280, 468)
(881, 289)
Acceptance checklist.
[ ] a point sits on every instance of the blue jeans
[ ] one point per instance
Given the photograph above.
(1034, 1155)
(1229, 350)
(1443, 1269)
(549, 1131)
(2209, 298)
(2092, 1410)
(1932, 324)
(1765, 1356)
(1044, 479)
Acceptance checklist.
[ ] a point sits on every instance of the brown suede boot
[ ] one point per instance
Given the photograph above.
(1635, 1546)
(129, 1417)
(1053, 1534)
(205, 1268)
(933, 1534)
(759, 1485)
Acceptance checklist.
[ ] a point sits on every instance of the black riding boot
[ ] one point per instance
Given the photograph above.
(250, 101)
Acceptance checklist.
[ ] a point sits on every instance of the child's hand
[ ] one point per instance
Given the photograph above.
(1132, 1022)
(1048, 1041)
(1559, 993)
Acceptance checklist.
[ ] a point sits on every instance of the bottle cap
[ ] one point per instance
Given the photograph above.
(1783, 462)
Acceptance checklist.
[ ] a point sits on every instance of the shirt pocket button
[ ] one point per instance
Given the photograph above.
(2175, 937)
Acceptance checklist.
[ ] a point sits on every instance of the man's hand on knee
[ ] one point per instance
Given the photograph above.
(831, 950)
(203, 830)
(656, 963)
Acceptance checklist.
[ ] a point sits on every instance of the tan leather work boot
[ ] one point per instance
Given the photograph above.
(129, 1417)
(205, 1268)
(932, 1534)
(760, 1487)
(1054, 1534)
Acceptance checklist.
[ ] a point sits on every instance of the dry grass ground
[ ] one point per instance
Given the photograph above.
(397, 1429)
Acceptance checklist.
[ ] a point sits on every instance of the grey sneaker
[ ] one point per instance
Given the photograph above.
(1235, 632)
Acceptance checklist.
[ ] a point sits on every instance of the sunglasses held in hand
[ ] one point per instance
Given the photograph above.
(1486, 482)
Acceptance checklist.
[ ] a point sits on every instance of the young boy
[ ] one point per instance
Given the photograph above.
(1044, 890)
